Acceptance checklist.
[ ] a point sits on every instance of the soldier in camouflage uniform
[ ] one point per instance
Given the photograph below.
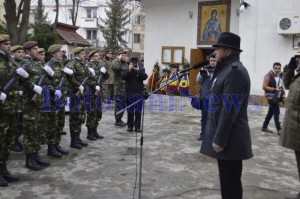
(109, 83)
(42, 126)
(17, 55)
(8, 117)
(32, 101)
(77, 117)
(59, 92)
(96, 92)
(119, 86)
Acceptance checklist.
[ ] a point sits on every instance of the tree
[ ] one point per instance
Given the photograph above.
(43, 30)
(113, 28)
(17, 20)
(57, 11)
(74, 11)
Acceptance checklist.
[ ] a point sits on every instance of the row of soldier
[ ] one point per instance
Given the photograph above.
(24, 76)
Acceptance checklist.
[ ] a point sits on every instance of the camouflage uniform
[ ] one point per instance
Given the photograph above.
(77, 118)
(95, 115)
(31, 114)
(109, 83)
(17, 146)
(8, 118)
(119, 88)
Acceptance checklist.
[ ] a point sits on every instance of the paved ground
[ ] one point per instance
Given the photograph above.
(173, 168)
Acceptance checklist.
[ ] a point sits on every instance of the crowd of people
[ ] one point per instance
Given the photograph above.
(33, 93)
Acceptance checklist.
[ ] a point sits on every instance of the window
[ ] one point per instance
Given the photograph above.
(91, 12)
(136, 38)
(70, 11)
(136, 19)
(91, 34)
(172, 54)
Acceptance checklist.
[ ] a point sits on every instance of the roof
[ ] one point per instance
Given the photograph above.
(69, 34)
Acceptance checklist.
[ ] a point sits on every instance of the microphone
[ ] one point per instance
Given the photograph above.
(195, 66)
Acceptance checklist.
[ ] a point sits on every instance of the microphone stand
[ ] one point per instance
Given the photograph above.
(179, 75)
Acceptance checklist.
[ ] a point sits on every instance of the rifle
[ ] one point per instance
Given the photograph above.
(11, 82)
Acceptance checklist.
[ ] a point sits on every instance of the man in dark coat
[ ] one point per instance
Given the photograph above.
(290, 136)
(227, 136)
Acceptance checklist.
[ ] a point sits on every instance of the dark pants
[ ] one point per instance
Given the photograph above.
(297, 153)
(134, 113)
(120, 103)
(273, 110)
(230, 179)
(203, 120)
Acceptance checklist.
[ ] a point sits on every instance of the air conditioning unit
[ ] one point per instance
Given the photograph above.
(288, 24)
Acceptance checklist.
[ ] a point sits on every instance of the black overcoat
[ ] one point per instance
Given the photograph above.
(227, 125)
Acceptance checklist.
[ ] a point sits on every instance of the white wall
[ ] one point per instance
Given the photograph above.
(168, 24)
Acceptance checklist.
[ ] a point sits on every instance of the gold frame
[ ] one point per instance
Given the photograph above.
(172, 54)
(212, 15)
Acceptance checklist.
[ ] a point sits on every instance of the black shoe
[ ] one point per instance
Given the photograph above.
(90, 134)
(31, 162)
(63, 133)
(53, 152)
(6, 174)
(3, 182)
(96, 134)
(129, 130)
(74, 141)
(61, 150)
(200, 138)
(40, 161)
(82, 143)
(138, 130)
(120, 123)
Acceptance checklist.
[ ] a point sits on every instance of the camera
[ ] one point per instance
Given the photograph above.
(135, 65)
(203, 71)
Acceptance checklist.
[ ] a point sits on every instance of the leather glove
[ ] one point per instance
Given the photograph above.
(3, 96)
(58, 94)
(22, 73)
(37, 89)
(68, 71)
(98, 88)
(81, 89)
(103, 70)
(92, 71)
(49, 70)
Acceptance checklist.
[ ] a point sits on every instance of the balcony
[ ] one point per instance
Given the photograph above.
(89, 22)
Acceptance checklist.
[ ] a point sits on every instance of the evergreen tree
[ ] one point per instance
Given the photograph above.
(113, 28)
(43, 30)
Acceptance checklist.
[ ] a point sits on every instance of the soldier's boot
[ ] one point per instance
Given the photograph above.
(90, 134)
(119, 122)
(31, 162)
(53, 152)
(17, 146)
(6, 174)
(96, 133)
(81, 142)
(40, 161)
(74, 141)
(3, 182)
(61, 150)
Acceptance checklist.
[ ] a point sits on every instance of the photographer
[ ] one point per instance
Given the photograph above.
(204, 78)
(134, 76)
(290, 135)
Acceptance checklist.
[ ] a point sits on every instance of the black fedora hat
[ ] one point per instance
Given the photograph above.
(229, 40)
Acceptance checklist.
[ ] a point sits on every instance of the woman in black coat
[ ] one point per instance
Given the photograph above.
(134, 89)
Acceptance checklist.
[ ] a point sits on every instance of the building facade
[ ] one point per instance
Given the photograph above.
(175, 29)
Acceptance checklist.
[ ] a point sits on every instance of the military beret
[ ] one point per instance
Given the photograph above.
(41, 50)
(30, 44)
(54, 48)
(16, 47)
(108, 51)
(77, 50)
(93, 52)
(4, 37)
(122, 52)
